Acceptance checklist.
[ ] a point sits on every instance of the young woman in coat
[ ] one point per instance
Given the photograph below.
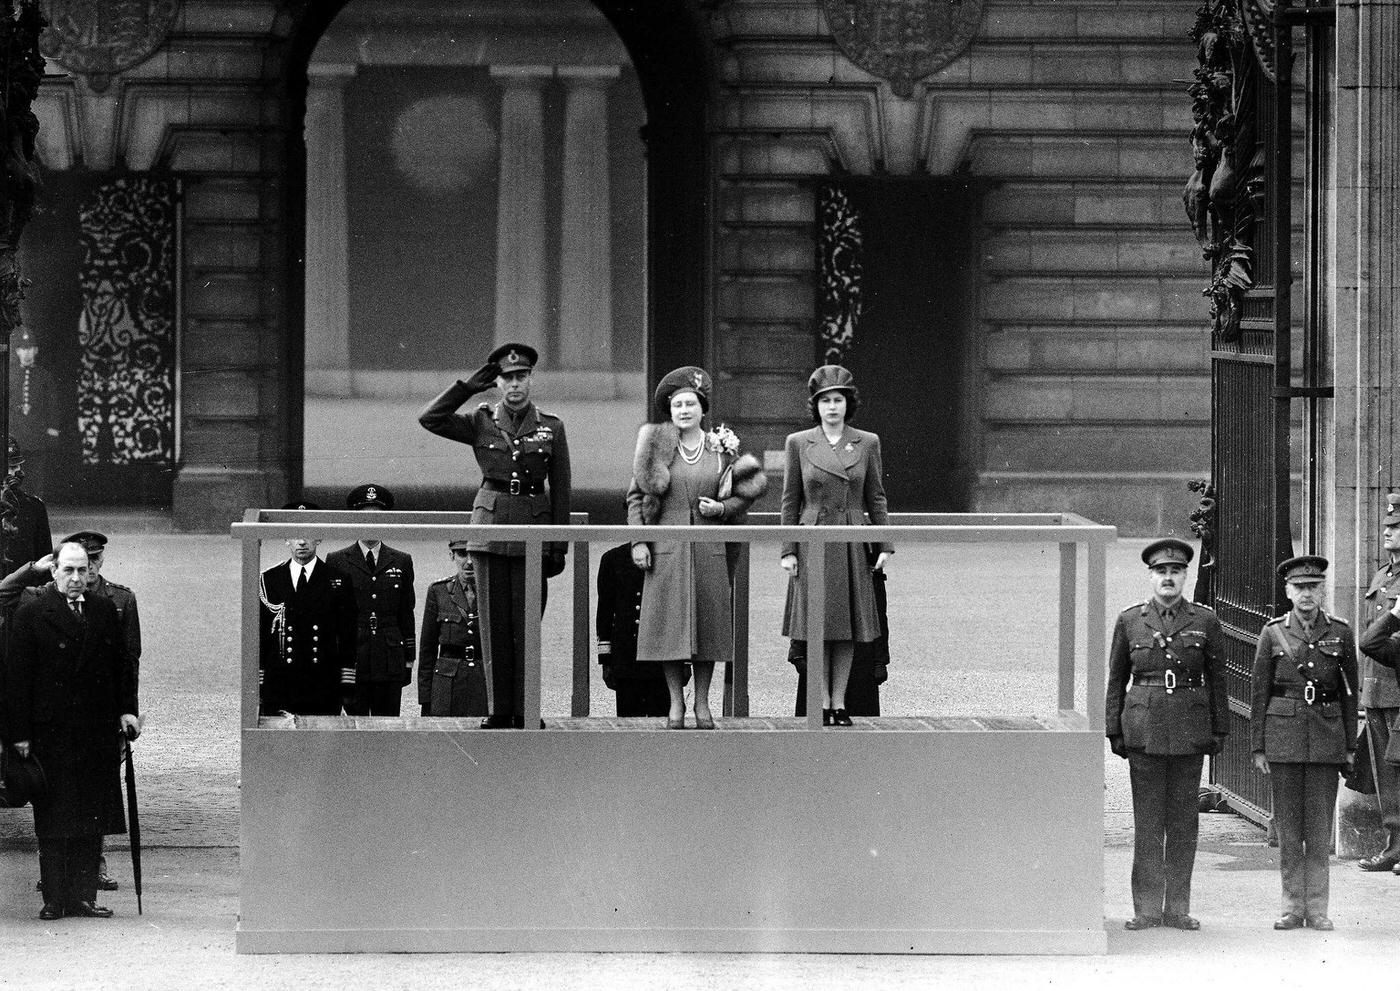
(685, 476)
(832, 476)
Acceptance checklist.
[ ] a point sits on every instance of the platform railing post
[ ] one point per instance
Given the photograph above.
(534, 577)
(736, 678)
(1069, 585)
(252, 634)
(583, 640)
(813, 563)
(1095, 660)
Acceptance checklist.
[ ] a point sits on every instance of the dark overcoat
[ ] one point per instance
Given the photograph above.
(1379, 689)
(451, 675)
(1291, 730)
(68, 683)
(384, 605)
(306, 660)
(1155, 719)
(826, 486)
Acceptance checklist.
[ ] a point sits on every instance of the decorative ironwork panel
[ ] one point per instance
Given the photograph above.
(126, 380)
(839, 243)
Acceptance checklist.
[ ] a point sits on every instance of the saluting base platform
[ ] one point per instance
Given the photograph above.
(897, 835)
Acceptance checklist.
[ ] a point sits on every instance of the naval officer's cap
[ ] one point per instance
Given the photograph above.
(1168, 550)
(514, 357)
(370, 496)
(1305, 569)
(302, 504)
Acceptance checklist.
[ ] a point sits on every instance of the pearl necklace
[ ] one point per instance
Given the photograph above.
(691, 459)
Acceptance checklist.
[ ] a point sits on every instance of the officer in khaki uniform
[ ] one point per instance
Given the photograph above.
(524, 459)
(382, 578)
(451, 676)
(1380, 695)
(1302, 725)
(1174, 713)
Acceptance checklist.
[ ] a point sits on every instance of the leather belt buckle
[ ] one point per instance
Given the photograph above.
(373, 623)
(1309, 693)
(1169, 679)
(515, 486)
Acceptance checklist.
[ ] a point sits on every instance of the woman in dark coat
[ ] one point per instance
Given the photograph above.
(683, 476)
(832, 476)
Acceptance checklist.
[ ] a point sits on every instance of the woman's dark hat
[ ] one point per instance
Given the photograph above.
(1168, 550)
(686, 379)
(829, 377)
(21, 779)
(514, 357)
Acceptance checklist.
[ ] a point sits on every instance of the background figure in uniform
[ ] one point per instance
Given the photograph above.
(451, 676)
(682, 476)
(306, 657)
(24, 518)
(1302, 724)
(33, 418)
(1175, 712)
(640, 688)
(524, 459)
(870, 667)
(382, 578)
(833, 476)
(1380, 695)
(69, 691)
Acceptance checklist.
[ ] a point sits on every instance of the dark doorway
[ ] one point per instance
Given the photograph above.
(916, 307)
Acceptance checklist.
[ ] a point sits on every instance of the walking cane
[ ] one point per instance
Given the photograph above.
(134, 824)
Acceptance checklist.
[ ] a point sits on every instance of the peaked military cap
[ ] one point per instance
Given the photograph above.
(830, 377)
(365, 496)
(514, 357)
(1305, 569)
(1392, 509)
(459, 544)
(687, 378)
(301, 505)
(90, 539)
(1168, 550)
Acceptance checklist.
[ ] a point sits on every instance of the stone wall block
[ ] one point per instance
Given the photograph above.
(214, 198)
(777, 346)
(766, 204)
(766, 299)
(221, 344)
(222, 246)
(1128, 447)
(223, 395)
(223, 295)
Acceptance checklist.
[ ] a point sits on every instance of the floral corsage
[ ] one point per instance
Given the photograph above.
(722, 439)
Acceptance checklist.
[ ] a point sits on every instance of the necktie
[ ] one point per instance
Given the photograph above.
(77, 607)
(1167, 616)
(301, 581)
(369, 559)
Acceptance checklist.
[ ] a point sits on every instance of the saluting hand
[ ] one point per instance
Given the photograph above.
(1260, 764)
(484, 377)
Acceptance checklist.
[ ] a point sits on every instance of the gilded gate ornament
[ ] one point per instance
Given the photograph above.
(100, 38)
(903, 40)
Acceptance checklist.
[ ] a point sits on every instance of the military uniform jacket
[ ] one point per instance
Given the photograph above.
(529, 456)
(619, 611)
(68, 682)
(1162, 719)
(306, 639)
(1284, 726)
(384, 605)
(451, 637)
(1379, 689)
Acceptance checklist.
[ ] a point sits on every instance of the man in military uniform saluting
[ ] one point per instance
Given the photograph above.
(1380, 694)
(524, 459)
(451, 676)
(382, 578)
(1175, 712)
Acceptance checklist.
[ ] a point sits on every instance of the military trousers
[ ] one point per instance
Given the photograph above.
(1380, 723)
(1305, 796)
(378, 698)
(68, 868)
(643, 698)
(500, 603)
(1165, 827)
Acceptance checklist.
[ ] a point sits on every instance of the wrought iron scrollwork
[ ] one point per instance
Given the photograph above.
(1203, 525)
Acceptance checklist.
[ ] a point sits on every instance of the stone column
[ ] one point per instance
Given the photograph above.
(585, 241)
(327, 233)
(520, 219)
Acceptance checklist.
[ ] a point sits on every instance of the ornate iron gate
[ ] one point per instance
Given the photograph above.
(1239, 201)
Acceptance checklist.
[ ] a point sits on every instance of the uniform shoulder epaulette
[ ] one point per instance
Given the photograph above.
(1277, 619)
(540, 412)
(1135, 606)
(1202, 605)
(447, 579)
(122, 588)
(1337, 619)
(484, 406)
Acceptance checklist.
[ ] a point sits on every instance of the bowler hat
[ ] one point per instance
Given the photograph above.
(21, 779)
(829, 377)
(1168, 550)
(687, 378)
(365, 496)
(1305, 569)
(514, 357)
(1392, 509)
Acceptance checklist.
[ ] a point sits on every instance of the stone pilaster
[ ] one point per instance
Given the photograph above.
(585, 243)
(520, 215)
(327, 233)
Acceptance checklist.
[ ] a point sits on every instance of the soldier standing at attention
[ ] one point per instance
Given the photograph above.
(524, 459)
(382, 578)
(1380, 694)
(451, 679)
(1175, 712)
(1302, 726)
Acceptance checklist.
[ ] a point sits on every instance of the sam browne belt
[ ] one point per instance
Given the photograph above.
(1169, 680)
(1308, 693)
(514, 486)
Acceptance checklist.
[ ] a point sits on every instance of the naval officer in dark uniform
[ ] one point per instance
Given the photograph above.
(640, 688)
(524, 459)
(1175, 712)
(1380, 694)
(451, 676)
(1302, 726)
(382, 578)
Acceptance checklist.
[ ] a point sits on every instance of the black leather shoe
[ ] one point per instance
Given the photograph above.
(1289, 921)
(1183, 921)
(50, 912)
(88, 910)
(1138, 922)
(106, 883)
(840, 718)
(826, 717)
(1320, 923)
(496, 722)
(1380, 862)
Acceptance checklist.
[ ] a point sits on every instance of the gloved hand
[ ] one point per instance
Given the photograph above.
(553, 563)
(484, 377)
(1115, 743)
(881, 673)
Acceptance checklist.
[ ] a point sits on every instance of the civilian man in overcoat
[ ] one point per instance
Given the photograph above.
(382, 578)
(1175, 712)
(1302, 725)
(69, 691)
(525, 479)
(1380, 694)
(451, 676)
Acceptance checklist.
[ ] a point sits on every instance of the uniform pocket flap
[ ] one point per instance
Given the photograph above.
(447, 667)
(1283, 707)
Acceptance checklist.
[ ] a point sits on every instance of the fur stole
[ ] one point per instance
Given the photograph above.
(651, 468)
